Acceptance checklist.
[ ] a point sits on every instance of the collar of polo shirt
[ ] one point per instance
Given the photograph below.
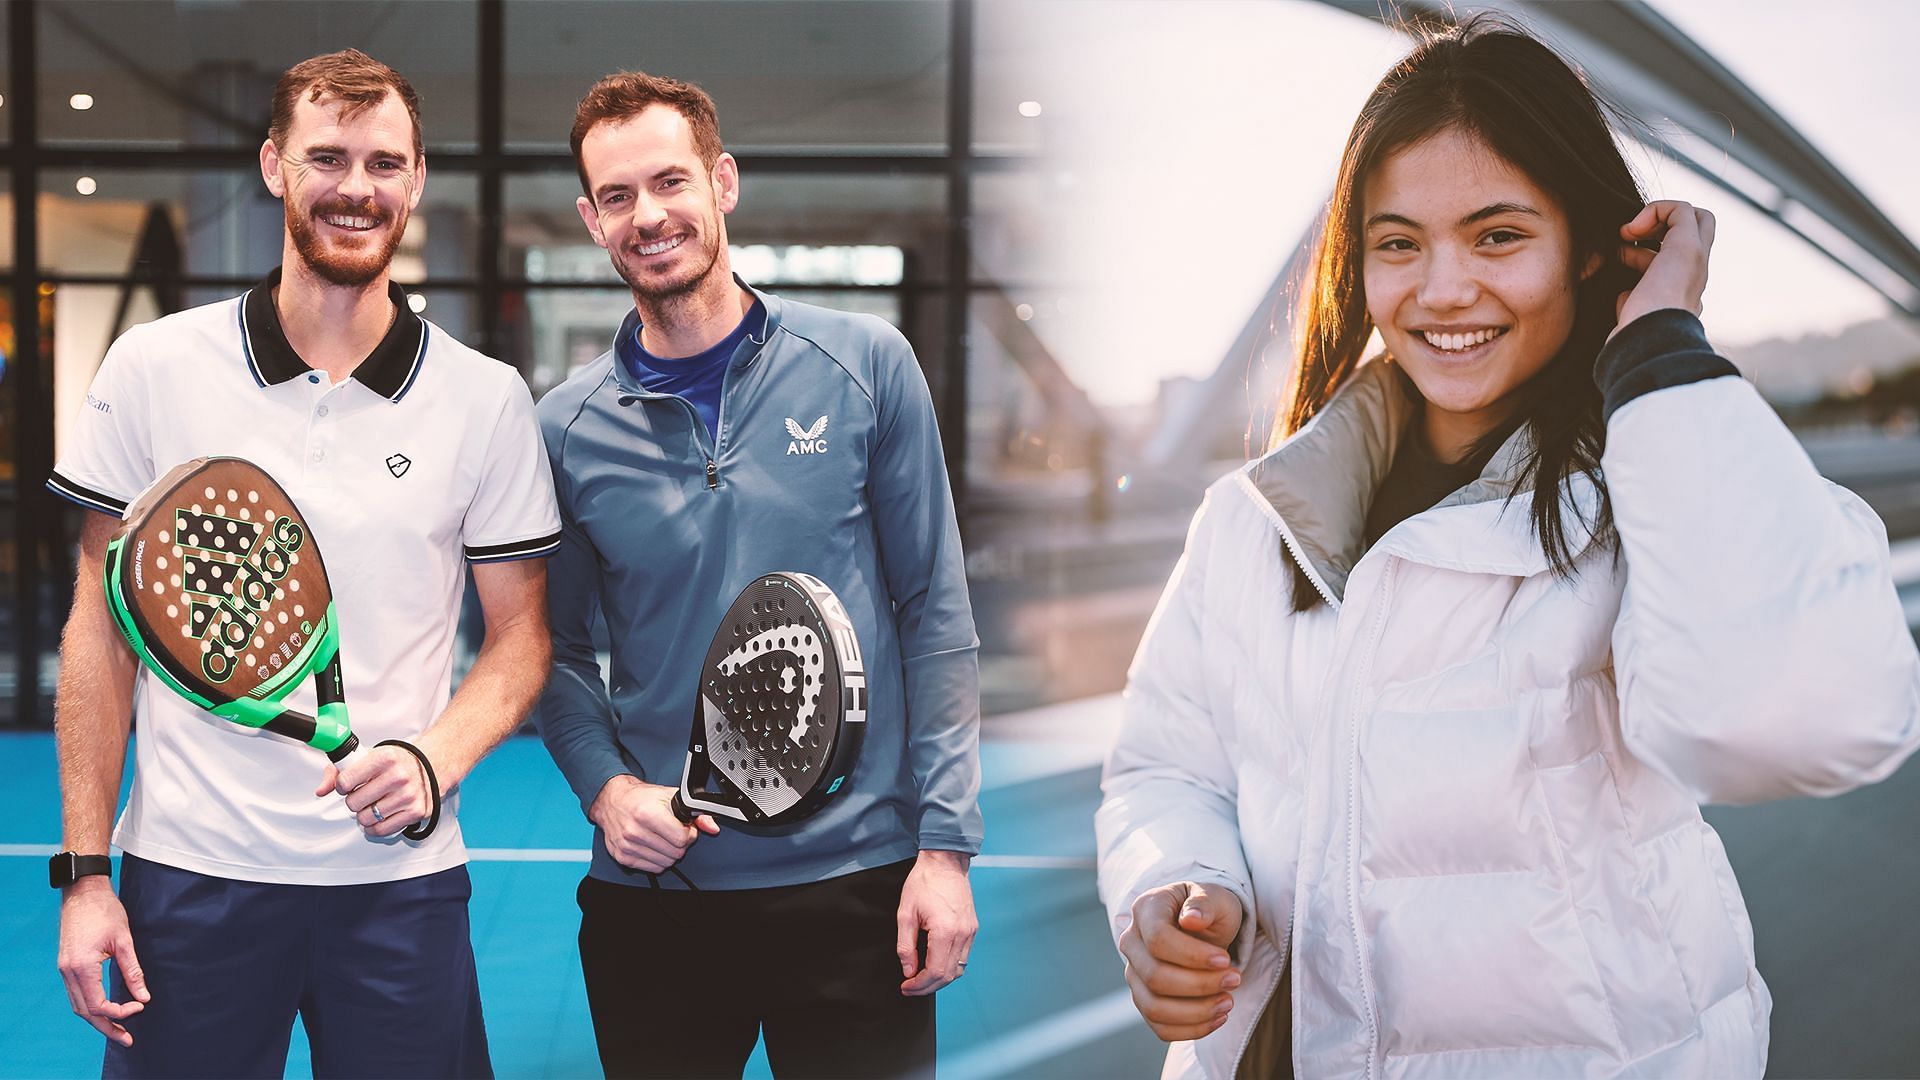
(390, 370)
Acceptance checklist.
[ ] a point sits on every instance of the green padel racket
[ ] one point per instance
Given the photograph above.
(216, 582)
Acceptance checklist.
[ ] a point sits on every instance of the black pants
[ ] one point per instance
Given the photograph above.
(681, 983)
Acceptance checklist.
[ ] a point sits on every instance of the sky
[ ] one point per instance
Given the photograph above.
(1194, 141)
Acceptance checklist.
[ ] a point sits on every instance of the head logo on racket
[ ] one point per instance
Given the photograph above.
(782, 706)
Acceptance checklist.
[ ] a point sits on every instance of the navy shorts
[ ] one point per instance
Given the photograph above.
(382, 976)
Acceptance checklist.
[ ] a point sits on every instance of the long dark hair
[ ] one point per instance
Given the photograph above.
(1490, 78)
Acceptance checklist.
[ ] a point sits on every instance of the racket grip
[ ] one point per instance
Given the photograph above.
(339, 753)
(681, 810)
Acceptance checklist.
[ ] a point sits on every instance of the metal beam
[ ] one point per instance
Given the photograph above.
(952, 406)
(491, 40)
(32, 406)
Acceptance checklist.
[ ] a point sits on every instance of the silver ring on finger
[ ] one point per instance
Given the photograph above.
(378, 817)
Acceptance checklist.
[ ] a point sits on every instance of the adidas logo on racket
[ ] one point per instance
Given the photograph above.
(215, 580)
(782, 707)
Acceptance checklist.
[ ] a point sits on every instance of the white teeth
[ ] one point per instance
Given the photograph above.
(344, 221)
(664, 245)
(1459, 342)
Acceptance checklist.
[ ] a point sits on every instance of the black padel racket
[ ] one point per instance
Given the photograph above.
(782, 707)
(216, 582)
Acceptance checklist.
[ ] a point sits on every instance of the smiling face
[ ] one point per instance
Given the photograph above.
(656, 207)
(1469, 275)
(349, 184)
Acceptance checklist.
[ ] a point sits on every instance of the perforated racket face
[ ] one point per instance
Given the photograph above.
(781, 685)
(221, 577)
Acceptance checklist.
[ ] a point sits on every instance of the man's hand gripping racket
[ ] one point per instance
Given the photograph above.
(778, 722)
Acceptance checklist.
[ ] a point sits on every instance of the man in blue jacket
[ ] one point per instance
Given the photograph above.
(682, 478)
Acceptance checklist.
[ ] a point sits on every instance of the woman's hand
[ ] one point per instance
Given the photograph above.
(1177, 962)
(1673, 267)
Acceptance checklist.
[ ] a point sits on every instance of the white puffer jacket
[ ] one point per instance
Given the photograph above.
(1464, 793)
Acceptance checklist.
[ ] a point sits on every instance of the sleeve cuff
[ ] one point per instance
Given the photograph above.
(965, 845)
(86, 496)
(599, 779)
(535, 548)
(1658, 350)
(1242, 943)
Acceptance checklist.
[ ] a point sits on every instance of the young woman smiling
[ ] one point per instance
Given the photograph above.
(1409, 778)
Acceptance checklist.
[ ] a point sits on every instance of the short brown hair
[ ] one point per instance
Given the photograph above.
(626, 94)
(352, 77)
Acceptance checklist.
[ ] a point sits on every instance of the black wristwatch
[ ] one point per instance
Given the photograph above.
(67, 867)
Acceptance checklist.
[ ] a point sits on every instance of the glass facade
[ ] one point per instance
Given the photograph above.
(131, 130)
(853, 77)
(178, 75)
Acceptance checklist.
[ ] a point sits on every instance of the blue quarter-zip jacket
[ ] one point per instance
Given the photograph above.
(662, 525)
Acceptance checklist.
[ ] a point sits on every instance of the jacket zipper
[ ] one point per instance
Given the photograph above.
(720, 414)
(1293, 546)
(1365, 668)
(713, 466)
(719, 431)
(1293, 549)
(710, 455)
(719, 419)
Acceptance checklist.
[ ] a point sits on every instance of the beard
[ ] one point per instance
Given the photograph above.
(351, 267)
(662, 289)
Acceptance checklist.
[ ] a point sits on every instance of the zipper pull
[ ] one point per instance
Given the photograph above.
(713, 476)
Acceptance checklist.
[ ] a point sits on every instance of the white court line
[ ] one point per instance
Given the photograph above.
(1025, 1047)
(1034, 862)
(511, 854)
(582, 855)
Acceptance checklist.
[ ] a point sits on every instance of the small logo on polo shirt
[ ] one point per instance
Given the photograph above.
(807, 440)
(398, 463)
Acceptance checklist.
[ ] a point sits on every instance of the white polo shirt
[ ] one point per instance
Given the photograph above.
(427, 457)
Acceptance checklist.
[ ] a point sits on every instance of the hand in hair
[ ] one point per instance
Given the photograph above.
(1666, 243)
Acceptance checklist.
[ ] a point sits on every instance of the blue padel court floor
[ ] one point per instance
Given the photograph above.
(1043, 995)
(1831, 885)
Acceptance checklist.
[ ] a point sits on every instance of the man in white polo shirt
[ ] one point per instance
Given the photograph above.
(259, 881)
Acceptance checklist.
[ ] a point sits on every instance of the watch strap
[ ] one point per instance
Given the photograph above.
(68, 867)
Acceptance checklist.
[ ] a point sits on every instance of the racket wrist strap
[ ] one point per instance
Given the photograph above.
(420, 830)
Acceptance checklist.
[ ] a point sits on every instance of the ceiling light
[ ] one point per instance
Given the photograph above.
(416, 303)
(82, 102)
(85, 185)
(1027, 108)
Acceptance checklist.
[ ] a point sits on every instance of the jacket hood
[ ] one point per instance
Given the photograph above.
(1320, 483)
